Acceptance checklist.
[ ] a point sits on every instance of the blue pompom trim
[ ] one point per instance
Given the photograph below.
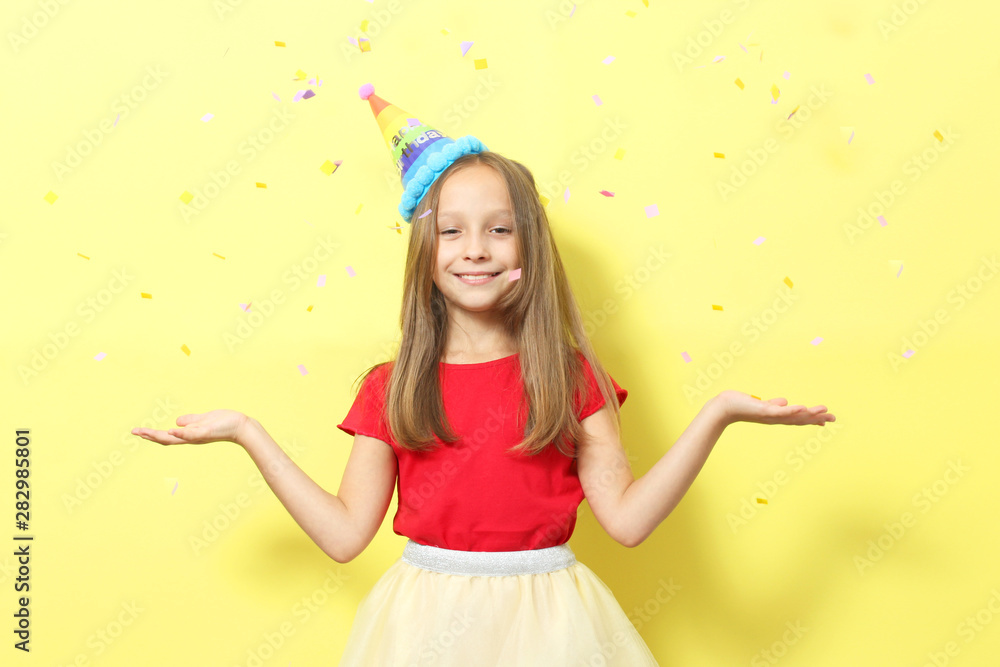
(428, 173)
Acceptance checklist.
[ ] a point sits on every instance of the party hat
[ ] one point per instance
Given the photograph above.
(420, 152)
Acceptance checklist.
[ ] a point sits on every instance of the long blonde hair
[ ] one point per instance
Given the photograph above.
(538, 311)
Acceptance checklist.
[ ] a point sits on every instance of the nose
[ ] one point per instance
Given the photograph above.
(476, 245)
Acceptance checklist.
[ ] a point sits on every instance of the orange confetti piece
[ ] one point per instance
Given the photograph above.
(757, 397)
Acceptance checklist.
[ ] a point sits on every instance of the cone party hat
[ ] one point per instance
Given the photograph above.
(419, 151)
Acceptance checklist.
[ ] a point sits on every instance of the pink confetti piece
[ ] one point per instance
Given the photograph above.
(881, 220)
(302, 369)
(908, 353)
(276, 96)
(869, 78)
(413, 122)
(759, 240)
(786, 75)
(718, 59)
(850, 138)
(465, 47)
(597, 100)
(686, 357)
(744, 48)
(572, 10)
(513, 275)
(652, 210)
(100, 355)
(116, 119)
(566, 195)
(308, 94)
(817, 340)
(353, 41)
(298, 96)
(900, 270)
(321, 281)
(425, 214)
(350, 272)
(176, 484)
(245, 307)
(207, 117)
(608, 60)
(607, 194)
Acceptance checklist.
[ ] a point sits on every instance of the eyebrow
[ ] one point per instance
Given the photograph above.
(492, 214)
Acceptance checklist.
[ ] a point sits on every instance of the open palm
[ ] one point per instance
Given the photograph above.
(744, 407)
(213, 426)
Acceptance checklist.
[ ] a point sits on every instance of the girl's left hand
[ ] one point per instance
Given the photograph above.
(740, 407)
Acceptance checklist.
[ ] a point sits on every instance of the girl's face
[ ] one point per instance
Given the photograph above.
(475, 234)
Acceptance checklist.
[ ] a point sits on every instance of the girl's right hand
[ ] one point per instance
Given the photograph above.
(196, 429)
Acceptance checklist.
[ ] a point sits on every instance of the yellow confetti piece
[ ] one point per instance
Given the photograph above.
(364, 26)
(300, 75)
(186, 197)
(398, 228)
(762, 501)
(309, 309)
(775, 93)
(261, 185)
(630, 14)
(720, 155)
(84, 256)
(358, 209)
(544, 200)
(328, 167)
(714, 307)
(366, 46)
(276, 43)
(739, 83)
(480, 63)
(620, 153)
(51, 197)
(793, 112)
(761, 55)
(218, 255)
(757, 397)
(645, 2)
(444, 31)
(145, 295)
(788, 281)
(937, 135)
(186, 350)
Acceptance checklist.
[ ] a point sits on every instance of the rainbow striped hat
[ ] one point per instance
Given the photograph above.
(420, 152)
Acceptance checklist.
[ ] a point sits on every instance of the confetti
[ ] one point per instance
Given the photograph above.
(937, 135)
(321, 280)
(175, 487)
(513, 275)
(720, 155)
(762, 501)
(298, 96)
(116, 119)
(51, 197)
(261, 185)
(652, 211)
(186, 197)
(100, 355)
(299, 75)
(686, 357)
(608, 60)
(757, 397)
(759, 240)
(365, 44)
(218, 255)
(630, 14)
(544, 200)
(718, 59)
(620, 153)
(302, 369)
(276, 96)
(309, 309)
(597, 100)
(607, 194)
(714, 307)
(480, 63)
(566, 195)
(739, 83)
(186, 350)
(908, 353)
(328, 167)
(786, 75)
(350, 272)
(851, 138)
(207, 117)
(869, 78)
(279, 43)
(308, 94)
(364, 26)
(817, 340)
(245, 307)
(787, 281)
(881, 220)
(775, 93)
(145, 295)
(358, 209)
(465, 47)
(425, 214)
(84, 256)
(793, 112)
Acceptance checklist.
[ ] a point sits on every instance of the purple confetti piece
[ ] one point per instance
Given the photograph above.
(100, 355)
(566, 195)
(817, 340)
(116, 119)
(787, 74)
(744, 48)
(321, 281)
(176, 484)
(353, 41)
(759, 240)
(276, 96)
(774, 101)
(908, 353)
(597, 100)
(686, 357)
(308, 94)
(652, 210)
(572, 10)
(465, 47)
(425, 214)
(207, 117)
(870, 79)
(298, 96)
(413, 122)
(312, 82)
(881, 220)
(350, 272)
(302, 369)
(850, 138)
(900, 270)
(608, 60)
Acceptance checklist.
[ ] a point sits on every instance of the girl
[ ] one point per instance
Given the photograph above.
(493, 423)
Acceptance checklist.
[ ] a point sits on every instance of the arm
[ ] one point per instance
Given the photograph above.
(341, 525)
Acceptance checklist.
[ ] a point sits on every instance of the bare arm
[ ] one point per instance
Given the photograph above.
(341, 525)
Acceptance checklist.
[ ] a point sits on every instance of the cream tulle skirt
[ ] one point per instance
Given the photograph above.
(468, 608)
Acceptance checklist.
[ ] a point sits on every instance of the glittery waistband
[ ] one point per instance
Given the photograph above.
(488, 563)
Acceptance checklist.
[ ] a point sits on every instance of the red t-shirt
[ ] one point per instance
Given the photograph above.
(472, 494)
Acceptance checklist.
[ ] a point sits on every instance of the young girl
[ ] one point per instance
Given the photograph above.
(493, 423)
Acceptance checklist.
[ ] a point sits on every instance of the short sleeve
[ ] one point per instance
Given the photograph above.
(594, 400)
(367, 414)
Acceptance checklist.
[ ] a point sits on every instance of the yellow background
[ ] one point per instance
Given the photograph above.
(124, 540)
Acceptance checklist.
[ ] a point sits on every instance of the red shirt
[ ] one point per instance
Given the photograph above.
(471, 494)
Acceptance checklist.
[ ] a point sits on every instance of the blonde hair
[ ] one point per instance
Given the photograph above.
(538, 312)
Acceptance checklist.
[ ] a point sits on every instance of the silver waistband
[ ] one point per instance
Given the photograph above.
(488, 563)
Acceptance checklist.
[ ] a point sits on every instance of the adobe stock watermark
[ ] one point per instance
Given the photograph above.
(120, 109)
(562, 12)
(752, 330)
(630, 283)
(438, 645)
(87, 310)
(796, 459)
(378, 22)
(758, 157)
(967, 630)
(914, 167)
(248, 149)
(899, 16)
(230, 512)
(31, 25)
(925, 330)
(779, 648)
(101, 640)
(697, 43)
(101, 470)
(922, 500)
(271, 642)
(262, 310)
(583, 156)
